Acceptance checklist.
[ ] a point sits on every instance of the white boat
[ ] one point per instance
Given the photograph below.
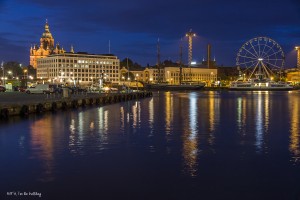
(171, 87)
(260, 80)
(260, 85)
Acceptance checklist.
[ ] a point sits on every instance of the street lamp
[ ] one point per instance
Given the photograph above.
(25, 76)
(9, 74)
(2, 66)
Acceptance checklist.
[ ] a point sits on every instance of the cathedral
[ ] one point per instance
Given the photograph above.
(46, 47)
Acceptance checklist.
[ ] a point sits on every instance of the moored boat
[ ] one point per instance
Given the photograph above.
(171, 87)
(260, 85)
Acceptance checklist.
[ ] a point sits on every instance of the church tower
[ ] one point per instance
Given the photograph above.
(46, 47)
(47, 41)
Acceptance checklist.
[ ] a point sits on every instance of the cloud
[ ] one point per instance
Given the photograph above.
(12, 52)
(225, 24)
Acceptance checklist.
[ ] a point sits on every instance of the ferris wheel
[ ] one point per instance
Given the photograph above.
(260, 54)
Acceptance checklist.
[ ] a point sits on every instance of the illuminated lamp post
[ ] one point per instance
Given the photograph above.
(2, 66)
(25, 76)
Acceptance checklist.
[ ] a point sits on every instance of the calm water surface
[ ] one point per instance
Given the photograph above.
(175, 145)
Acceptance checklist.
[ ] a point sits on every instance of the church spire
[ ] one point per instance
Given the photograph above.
(47, 27)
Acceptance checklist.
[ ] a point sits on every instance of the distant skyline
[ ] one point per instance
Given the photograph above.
(133, 27)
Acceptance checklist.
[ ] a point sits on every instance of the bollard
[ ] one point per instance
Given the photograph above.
(39, 108)
(74, 104)
(54, 106)
(4, 113)
(24, 111)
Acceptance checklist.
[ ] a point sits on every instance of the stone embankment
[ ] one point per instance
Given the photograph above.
(17, 105)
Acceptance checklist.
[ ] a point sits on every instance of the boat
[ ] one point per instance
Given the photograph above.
(260, 85)
(260, 79)
(173, 87)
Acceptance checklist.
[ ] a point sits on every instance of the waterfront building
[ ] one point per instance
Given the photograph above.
(293, 75)
(79, 68)
(55, 65)
(171, 75)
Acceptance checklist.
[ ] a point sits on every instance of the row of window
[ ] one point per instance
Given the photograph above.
(78, 61)
(81, 75)
(79, 66)
(82, 71)
(86, 79)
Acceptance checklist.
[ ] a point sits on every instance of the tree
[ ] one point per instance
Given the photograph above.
(126, 75)
(12, 69)
(124, 62)
(132, 65)
(170, 63)
(31, 71)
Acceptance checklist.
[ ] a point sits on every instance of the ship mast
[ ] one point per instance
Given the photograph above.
(158, 62)
(180, 63)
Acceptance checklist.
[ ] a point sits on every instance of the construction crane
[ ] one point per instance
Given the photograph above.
(190, 36)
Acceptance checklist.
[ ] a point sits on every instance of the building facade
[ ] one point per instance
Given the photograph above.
(171, 75)
(293, 76)
(79, 68)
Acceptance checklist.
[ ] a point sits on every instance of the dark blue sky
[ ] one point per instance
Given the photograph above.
(133, 26)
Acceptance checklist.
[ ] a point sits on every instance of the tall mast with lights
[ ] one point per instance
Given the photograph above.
(190, 36)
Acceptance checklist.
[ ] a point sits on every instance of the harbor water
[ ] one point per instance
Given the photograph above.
(206, 145)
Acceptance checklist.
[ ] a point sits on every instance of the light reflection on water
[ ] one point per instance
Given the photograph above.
(294, 110)
(190, 132)
(190, 138)
(42, 145)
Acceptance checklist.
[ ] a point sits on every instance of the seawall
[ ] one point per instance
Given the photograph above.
(20, 108)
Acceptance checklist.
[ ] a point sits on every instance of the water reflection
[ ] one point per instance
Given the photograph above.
(259, 123)
(193, 134)
(169, 112)
(241, 115)
(136, 114)
(262, 120)
(42, 144)
(190, 137)
(213, 114)
(294, 128)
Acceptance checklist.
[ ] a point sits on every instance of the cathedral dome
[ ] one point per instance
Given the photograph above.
(47, 33)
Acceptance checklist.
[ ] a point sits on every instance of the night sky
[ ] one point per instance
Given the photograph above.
(134, 26)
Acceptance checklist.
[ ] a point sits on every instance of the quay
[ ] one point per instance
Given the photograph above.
(22, 104)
